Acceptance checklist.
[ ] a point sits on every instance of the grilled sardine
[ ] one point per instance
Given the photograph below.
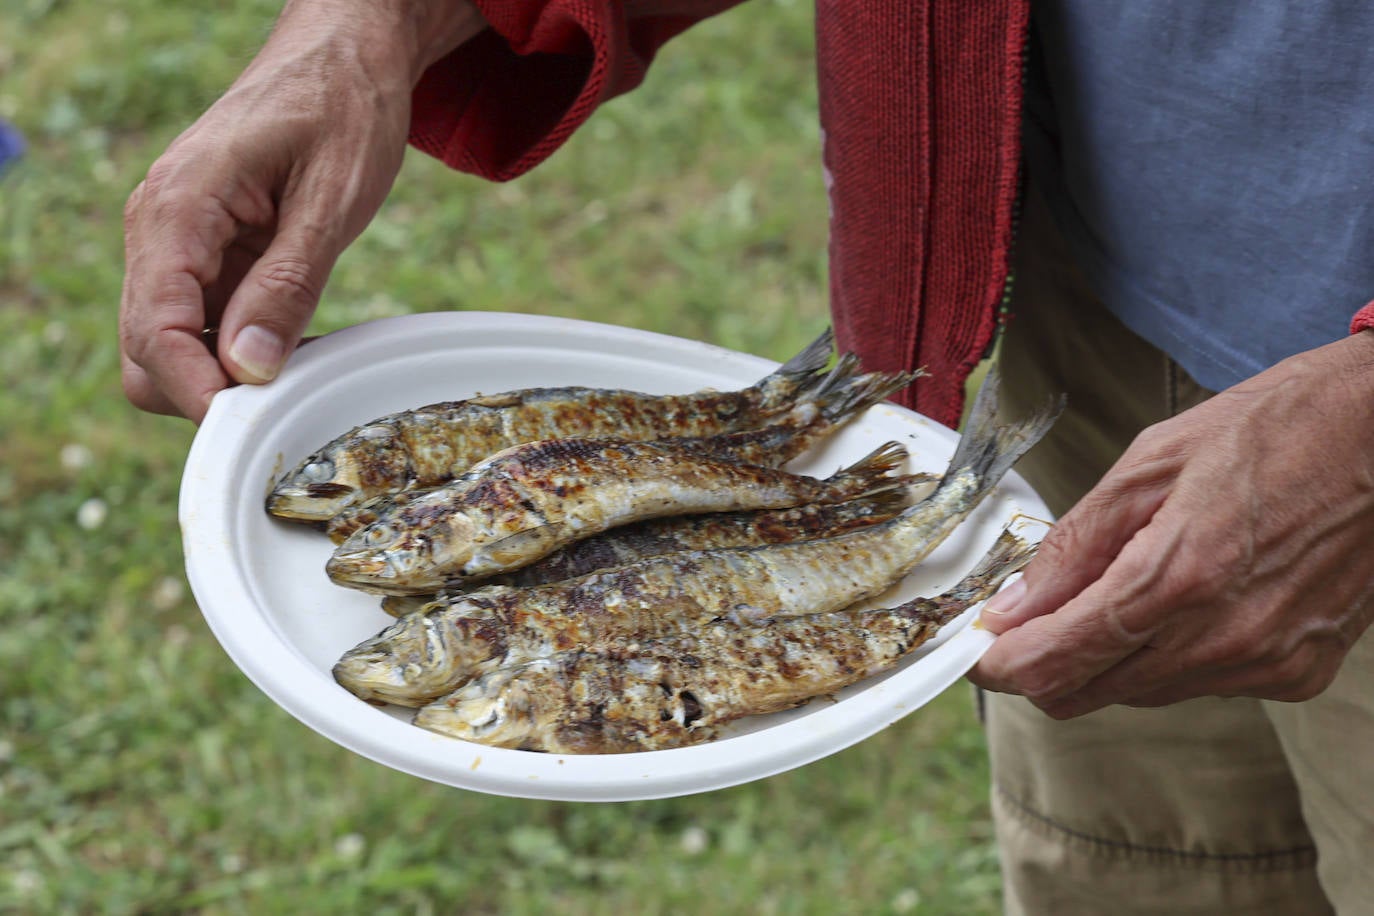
(529, 500)
(782, 437)
(676, 691)
(656, 537)
(432, 445)
(426, 655)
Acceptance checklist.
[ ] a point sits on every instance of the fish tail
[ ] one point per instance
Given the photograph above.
(812, 359)
(842, 393)
(888, 502)
(916, 487)
(987, 448)
(1008, 554)
(801, 373)
(870, 474)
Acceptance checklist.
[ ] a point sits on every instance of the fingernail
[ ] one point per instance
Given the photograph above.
(259, 352)
(1005, 601)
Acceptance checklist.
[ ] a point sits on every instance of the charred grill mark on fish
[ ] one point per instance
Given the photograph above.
(679, 592)
(434, 444)
(527, 501)
(783, 437)
(674, 691)
(656, 537)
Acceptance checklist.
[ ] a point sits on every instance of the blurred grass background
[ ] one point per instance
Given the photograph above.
(139, 771)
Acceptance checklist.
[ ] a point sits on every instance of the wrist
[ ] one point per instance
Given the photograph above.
(439, 27)
(1362, 343)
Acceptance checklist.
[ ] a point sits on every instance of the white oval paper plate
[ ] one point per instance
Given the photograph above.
(261, 585)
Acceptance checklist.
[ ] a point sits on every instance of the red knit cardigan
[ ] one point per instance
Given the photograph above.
(920, 104)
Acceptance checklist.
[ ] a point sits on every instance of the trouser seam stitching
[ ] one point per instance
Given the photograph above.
(1020, 809)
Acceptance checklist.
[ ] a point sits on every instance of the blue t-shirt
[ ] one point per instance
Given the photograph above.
(1212, 165)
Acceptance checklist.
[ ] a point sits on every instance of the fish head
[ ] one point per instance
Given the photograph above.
(362, 463)
(416, 659)
(501, 708)
(406, 554)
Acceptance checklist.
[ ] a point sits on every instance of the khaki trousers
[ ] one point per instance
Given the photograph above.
(1212, 806)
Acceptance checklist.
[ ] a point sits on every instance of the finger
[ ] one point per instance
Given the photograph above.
(1223, 684)
(164, 340)
(269, 311)
(173, 240)
(1081, 546)
(141, 392)
(238, 259)
(1052, 656)
(1299, 676)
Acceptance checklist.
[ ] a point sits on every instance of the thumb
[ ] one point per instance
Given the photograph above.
(1076, 551)
(268, 312)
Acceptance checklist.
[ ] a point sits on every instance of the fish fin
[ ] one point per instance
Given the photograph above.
(1009, 554)
(843, 394)
(800, 373)
(505, 399)
(988, 448)
(401, 605)
(869, 475)
(916, 487)
(514, 550)
(884, 502)
(812, 358)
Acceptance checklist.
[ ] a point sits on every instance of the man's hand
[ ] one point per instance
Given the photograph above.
(239, 222)
(1227, 553)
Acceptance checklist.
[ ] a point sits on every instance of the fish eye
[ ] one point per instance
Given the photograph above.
(380, 534)
(318, 471)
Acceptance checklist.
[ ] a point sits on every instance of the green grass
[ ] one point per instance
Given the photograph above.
(139, 771)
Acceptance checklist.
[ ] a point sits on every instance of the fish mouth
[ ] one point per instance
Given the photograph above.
(360, 674)
(374, 676)
(313, 503)
(360, 568)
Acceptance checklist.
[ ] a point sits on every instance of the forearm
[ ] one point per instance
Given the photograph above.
(397, 39)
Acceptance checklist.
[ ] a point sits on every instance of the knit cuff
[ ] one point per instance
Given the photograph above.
(1363, 320)
(509, 97)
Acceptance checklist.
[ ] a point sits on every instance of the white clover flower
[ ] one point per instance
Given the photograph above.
(167, 593)
(694, 840)
(92, 513)
(75, 456)
(906, 900)
(27, 882)
(350, 846)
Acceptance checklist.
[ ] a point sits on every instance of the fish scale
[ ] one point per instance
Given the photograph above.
(651, 694)
(527, 501)
(434, 444)
(656, 537)
(425, 655)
